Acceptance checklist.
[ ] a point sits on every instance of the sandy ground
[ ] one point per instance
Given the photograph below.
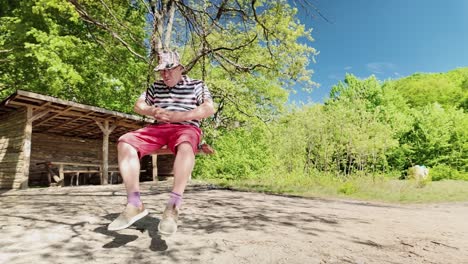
(68, 225)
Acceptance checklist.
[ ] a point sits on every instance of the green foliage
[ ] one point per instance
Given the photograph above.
(368, 91)
(447, 89)
(348, 188)
(363, 123)
(445, 172)
(345, 136)
(279, 60)
(368, 128)
(438, 136)
(240, 153)
(289, 142)
(46, 48)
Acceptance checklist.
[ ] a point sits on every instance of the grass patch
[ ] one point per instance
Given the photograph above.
(362, 188)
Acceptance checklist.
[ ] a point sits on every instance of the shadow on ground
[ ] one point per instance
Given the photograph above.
(147, 224)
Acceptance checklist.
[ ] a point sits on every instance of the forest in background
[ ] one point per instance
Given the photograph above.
(96, 53)
(367, 127)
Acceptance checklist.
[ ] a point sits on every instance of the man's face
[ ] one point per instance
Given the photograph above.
(171, 77)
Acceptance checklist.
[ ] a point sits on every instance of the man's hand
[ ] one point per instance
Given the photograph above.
(165, 116)
(157, 113)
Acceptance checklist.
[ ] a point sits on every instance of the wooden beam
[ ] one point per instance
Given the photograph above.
(39, 97)
(53, 116)
(73, 120)
(88, 115)
(94, 132)
(105, 129)
(82, 113)
(77, 126)
(38, 115)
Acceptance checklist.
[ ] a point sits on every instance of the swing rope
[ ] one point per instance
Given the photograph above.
(204, 47)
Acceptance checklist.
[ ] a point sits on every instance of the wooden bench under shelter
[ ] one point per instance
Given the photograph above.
(57, 170)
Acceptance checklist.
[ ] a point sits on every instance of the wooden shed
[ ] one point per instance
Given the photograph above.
(36, 128)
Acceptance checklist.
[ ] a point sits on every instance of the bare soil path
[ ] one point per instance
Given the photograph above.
(68, 225)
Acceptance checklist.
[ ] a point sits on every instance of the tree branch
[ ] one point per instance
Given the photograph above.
(238, 66)
(120, 23)
(265, 29)
(87, 18)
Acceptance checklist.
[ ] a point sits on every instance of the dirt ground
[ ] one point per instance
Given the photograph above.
(68, 225)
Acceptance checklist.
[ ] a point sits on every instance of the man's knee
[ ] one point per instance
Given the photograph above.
(125, 148)
(185, 147)
(122, 145)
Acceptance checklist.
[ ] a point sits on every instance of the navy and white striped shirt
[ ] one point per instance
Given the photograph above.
(185, 96)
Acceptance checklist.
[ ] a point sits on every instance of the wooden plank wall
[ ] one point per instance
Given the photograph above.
(48, 147)
(12, 140)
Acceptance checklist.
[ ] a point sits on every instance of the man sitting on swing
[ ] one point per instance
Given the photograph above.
(177, 103)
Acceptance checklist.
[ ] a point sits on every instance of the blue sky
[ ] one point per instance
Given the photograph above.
(388, 38)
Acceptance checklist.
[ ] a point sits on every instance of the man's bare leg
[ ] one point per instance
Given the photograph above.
(129, 165)
(183, 166)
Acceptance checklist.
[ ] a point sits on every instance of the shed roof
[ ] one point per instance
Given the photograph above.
(66, 118)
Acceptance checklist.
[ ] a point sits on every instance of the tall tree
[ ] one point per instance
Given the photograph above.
(438, 136)
(221, 31)
(46, 48)
(248, 51)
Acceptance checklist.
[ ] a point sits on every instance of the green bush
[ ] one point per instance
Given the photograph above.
(241, 153)
(348, 188)
(441, 172)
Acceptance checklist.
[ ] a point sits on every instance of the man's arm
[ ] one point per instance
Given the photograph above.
(142, 108)
(203, 111)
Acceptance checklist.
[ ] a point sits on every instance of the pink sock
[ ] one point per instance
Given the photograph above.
(134, 199)
(175, 199)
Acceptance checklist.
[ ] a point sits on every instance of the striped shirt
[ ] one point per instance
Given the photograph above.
(185, 96)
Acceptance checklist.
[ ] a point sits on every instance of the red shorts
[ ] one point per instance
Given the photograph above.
(151, 138)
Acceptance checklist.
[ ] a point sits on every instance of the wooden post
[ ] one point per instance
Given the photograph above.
(106, 130)
(49, 173)
(30, 117)
(23, 183)
(154, 162)
(105, 153)
(61, 175)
